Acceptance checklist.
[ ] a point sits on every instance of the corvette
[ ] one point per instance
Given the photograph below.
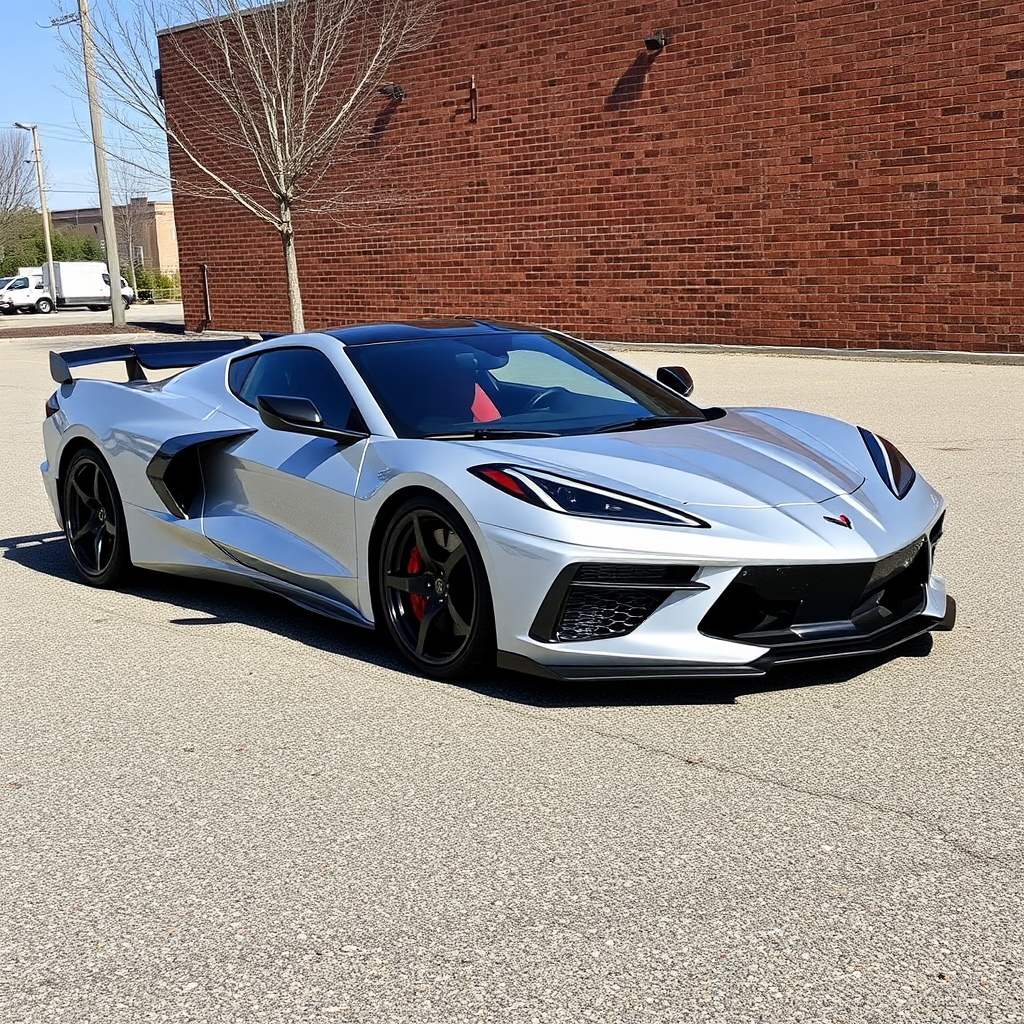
(496, 494)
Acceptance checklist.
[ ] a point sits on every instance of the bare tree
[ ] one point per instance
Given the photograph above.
(129, 183)
(17, 184)
(261, 98)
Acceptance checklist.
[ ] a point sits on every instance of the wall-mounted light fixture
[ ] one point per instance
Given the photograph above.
(656, 41)
(393, 91)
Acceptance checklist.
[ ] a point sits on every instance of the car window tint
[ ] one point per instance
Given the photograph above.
(238, 370)
(506, 380)
(301, 373)
(541, 369)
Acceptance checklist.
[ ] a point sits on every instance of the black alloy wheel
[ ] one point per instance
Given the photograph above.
(433, 593)
(94, 521)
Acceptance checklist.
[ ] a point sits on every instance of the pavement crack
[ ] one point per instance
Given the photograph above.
(918, 823)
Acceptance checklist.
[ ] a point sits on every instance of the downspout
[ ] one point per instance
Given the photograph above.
(206, 297)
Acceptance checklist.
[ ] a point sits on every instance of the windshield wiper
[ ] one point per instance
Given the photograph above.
(486, 432)
(645, 423)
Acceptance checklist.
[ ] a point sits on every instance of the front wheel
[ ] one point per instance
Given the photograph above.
(94, 522)
(433, 593)
(44, 306)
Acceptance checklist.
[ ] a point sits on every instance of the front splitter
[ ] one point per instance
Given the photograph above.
(822, 650)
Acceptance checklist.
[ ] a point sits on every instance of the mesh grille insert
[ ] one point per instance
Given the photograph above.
(593, 613)
(596, 600)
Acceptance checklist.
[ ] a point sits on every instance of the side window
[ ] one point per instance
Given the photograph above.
(297, 373)
(18, 282)
(238, 371)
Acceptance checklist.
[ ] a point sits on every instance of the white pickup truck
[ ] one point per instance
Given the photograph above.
(25, 292)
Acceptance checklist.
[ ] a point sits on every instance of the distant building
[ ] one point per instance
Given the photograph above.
(146, 234)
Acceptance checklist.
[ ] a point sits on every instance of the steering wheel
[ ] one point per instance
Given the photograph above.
(538, 399)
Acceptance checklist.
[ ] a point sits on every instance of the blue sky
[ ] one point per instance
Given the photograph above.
(34, 90)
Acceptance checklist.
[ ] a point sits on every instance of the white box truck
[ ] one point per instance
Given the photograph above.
(25, 293)
(83, 283)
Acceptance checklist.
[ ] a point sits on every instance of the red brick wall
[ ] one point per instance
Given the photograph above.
(840, 173)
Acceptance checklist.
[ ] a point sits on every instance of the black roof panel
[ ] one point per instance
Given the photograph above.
(412, 330)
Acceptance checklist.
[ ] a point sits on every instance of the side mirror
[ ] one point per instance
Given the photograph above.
(677, 378)
(301, 416)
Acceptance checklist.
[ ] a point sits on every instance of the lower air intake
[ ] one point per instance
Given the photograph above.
(786, 604)
(595, 601)
(593, 614)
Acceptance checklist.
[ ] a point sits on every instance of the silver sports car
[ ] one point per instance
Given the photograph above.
(495, 493)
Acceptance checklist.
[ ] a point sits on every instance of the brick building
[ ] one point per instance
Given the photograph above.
(146, 232)
(838, 173)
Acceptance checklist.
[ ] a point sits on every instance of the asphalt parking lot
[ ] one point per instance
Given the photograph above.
(217, 808)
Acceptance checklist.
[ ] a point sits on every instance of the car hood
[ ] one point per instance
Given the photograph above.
(745, 459)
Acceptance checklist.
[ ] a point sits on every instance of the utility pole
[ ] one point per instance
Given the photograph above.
(102, 181)
(42, 205)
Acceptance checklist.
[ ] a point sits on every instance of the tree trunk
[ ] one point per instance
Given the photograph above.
(291, 271)
(132, 280)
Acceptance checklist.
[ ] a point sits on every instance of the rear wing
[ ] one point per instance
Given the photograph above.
(157, 355)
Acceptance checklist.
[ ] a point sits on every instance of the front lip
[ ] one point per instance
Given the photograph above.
(877, 643)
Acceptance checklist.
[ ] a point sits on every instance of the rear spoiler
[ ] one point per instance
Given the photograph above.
(156, 355)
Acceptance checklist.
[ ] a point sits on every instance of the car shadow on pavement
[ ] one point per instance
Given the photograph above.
(213, 603)
(220, 603)
(545, 693)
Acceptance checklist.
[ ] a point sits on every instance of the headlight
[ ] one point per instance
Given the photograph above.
(892, 465)
(574, 498)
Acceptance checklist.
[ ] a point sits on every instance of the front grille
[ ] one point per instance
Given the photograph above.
(891, 565)
(786, 604)
(595, 601)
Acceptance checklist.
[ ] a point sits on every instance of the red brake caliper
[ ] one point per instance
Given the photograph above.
(413, 567)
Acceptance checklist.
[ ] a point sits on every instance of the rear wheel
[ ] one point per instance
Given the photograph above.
(433, 593)
(94, 522)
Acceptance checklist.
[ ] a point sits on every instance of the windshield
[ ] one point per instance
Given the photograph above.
(509, 383)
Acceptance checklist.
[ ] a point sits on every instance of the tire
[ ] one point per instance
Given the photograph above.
(432, 591)
(44, 306)
(94, 523)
